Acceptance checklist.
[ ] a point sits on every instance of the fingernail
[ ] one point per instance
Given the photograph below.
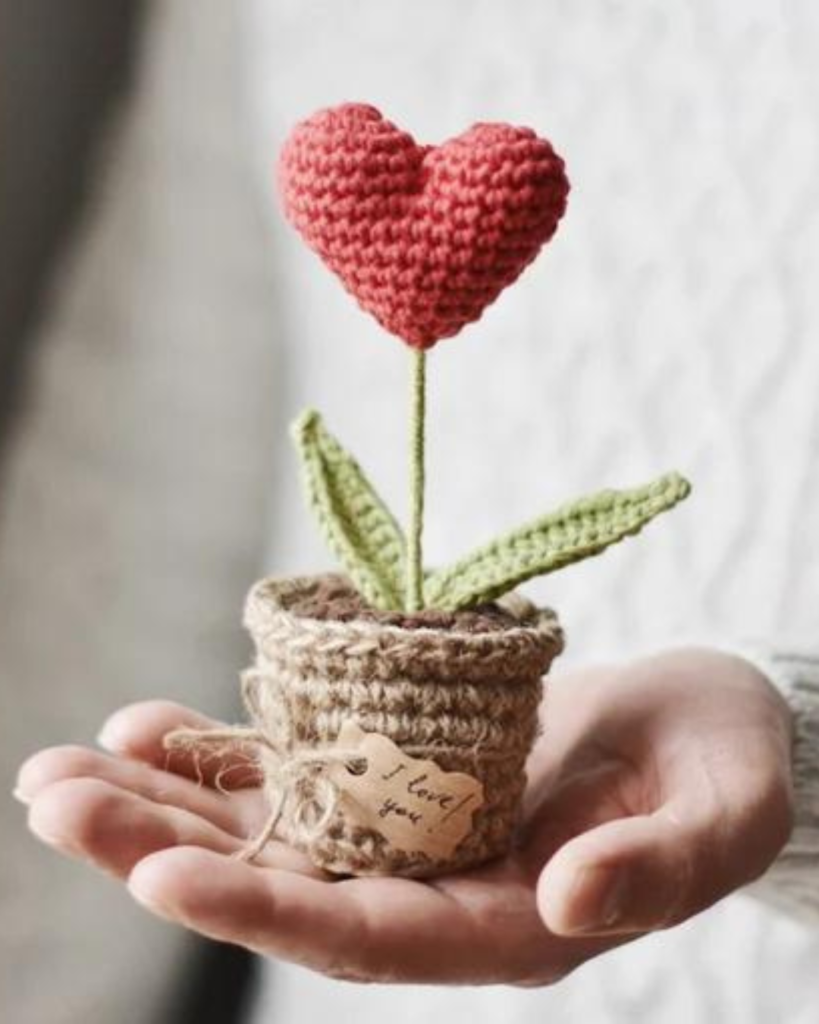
(20, 796)
(110, 736)
(147, 901)
(598, 899)
(140, 890)
(54, 840)
(143, 898)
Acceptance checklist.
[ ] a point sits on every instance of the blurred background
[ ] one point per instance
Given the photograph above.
(160, 326)
(115, 410)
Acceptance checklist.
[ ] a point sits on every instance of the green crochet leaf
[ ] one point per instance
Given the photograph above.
(358, 527)
(574, 532)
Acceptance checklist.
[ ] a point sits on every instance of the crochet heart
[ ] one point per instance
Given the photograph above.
(424, 237)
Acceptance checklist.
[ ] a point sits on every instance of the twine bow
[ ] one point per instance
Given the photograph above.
(296, 780)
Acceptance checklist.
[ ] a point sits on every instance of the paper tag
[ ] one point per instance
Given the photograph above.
(415, 805)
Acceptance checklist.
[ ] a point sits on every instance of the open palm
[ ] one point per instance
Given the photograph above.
(657, 788)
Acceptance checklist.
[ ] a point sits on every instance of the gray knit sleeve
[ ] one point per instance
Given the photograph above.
(792, 881)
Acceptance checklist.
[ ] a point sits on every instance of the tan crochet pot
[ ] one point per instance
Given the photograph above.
(466, 698)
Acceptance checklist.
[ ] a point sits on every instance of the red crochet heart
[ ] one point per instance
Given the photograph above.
(425, 237)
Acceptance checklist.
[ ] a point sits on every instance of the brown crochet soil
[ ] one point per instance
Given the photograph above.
(335, 599)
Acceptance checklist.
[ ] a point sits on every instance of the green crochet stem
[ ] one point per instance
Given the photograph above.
(415, 555)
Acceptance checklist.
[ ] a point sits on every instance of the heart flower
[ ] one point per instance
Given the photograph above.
(425, 238)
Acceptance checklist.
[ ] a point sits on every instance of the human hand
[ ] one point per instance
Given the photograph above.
(658, 787)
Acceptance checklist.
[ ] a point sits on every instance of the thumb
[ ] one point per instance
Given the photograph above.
(646, 872)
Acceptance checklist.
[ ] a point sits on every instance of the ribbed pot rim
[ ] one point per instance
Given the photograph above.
(268, 615)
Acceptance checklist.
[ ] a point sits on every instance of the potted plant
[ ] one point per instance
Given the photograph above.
(393, 706)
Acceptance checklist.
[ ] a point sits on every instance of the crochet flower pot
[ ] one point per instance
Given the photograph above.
(462, 689)
(393, 708)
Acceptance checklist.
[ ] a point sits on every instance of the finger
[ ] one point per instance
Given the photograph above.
(93, 820)
(231, 901)
(653, 871)
(361, 929)
(59, 763)
(138, 731)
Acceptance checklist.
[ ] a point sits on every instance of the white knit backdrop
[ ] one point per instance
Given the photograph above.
(669, 324)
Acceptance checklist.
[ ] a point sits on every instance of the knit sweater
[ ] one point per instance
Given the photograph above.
(792, 883)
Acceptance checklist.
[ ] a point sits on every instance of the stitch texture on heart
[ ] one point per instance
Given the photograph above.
(424, 237)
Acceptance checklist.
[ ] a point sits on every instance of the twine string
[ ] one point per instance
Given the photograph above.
(296, 780)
